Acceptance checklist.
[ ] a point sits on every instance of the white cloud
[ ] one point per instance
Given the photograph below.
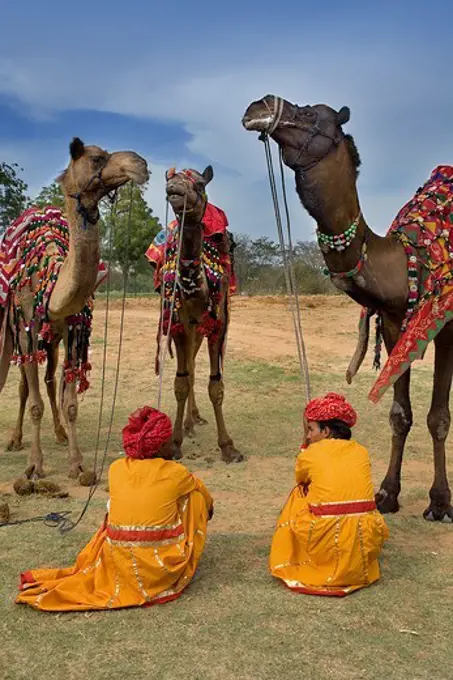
(399, 137)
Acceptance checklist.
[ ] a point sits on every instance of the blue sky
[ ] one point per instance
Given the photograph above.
(171, 80)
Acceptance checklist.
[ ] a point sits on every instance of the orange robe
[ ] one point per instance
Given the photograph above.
(329, 534)
(145, 553)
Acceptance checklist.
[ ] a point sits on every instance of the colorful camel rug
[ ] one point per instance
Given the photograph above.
(37, 243)
(214, 222)
(425, 227)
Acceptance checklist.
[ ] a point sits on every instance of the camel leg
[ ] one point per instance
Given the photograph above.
(52, 363)
(192, 413)
(15, 443)
(440, 508)
(216, 393)
(70, 410)
(184, 353)
(36, 409)
(401, 423)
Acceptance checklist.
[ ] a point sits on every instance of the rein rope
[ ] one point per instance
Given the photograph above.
(69, 525)
(287, 256)
(163, 350)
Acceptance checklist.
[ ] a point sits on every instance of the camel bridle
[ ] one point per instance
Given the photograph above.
(88, 217)
(312, 130)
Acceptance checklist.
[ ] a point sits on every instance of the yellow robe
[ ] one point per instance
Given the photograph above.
(145, 553)
(329, 534)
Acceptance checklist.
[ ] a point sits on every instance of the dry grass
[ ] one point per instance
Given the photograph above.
(235, 621)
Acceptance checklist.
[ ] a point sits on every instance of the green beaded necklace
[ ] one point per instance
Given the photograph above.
(341, 241)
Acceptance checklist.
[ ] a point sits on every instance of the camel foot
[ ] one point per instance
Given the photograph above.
(387, 503)
(60, 435)
(15, 443)
(230, 454)
(439, 513)
(176, 451)
(189, 430)
(191, 421)
(34, 472)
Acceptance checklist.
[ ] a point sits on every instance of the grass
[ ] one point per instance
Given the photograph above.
(235, 621)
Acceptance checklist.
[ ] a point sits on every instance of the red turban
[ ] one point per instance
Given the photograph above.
(147, 430)
(331, 407)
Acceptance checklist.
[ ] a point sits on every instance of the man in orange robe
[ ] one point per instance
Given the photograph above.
(329, 534)
(148, 548)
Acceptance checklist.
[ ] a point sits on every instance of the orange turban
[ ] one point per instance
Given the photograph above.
(146, 432)
(331, 407)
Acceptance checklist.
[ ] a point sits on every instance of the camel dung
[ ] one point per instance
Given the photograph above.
(24, 487)
(87, 478)
(4, 512)
(46, 487)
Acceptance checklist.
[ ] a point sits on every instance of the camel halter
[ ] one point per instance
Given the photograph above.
(313, 130)
(337, 242)
(82, 209)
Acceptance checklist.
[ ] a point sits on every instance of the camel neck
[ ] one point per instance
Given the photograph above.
(329, 193)
(77, 277)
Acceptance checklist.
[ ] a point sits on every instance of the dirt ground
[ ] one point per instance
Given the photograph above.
(235, 621)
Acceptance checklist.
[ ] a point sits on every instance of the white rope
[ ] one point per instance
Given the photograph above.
(163, 350)
(288, 267)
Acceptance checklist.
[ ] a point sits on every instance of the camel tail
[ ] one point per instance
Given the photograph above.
(6, 346)
(362, 345)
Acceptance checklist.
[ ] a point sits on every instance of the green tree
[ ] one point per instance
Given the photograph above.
(13, 194)
(50, 195)
(131, 226)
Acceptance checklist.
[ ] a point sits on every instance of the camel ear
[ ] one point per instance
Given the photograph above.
(343, 115)
(208, 174)
(77, 149)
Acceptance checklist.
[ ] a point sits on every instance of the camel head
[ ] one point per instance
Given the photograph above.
(186, 191)
(93, 173)
(305, 134)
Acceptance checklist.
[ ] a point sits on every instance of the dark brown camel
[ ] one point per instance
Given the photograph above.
(186, 194)
(325, 162)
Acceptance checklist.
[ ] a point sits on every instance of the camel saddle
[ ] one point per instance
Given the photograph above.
(425, 228)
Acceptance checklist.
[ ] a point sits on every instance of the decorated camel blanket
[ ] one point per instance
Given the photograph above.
(37, 243)
(163, 254)
(425, 228)
(214, 222)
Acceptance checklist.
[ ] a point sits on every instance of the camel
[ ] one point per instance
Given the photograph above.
(371, 269)
(200, 311)
(92, 174)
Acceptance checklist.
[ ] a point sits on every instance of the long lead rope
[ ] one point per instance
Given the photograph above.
(69, 525)
(166, 346)
(287, 255)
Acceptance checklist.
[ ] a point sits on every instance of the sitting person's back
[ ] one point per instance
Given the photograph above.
(330, 533)
(149, 545)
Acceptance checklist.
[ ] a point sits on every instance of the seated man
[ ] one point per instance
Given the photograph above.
(329, 534)
(148, 548)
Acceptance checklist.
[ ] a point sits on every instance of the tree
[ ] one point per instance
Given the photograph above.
(132, 227)
(50, 195)
(13, 194)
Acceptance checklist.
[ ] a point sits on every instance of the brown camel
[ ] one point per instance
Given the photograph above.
(92, 174)
(196, 314)
(15, 442)
(325, 162)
